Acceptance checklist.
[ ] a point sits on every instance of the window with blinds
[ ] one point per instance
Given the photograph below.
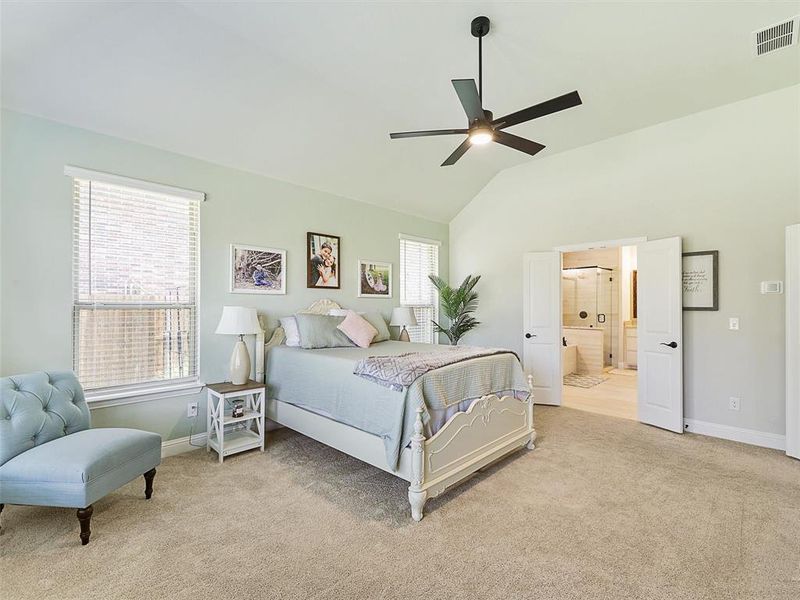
(135, 274)
(418, 259)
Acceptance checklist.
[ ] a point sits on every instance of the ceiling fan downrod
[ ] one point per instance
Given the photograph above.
(479, 28)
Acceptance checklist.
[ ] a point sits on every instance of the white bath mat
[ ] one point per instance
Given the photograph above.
(583, 381)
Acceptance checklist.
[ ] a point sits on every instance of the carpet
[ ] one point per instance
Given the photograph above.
(583, 381)
(603, 508)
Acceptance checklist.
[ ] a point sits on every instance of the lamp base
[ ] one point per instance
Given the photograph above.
(240, 364)
(404, 335)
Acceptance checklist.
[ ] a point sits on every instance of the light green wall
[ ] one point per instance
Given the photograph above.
(726, 179)
(36, 246)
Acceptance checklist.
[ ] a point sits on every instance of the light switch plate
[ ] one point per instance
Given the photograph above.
(733, 323)
(771, 287)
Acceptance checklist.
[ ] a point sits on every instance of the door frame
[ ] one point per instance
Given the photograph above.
(618, 243)
(792, 300)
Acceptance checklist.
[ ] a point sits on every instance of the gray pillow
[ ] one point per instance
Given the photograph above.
(319, 331)
(377, 321)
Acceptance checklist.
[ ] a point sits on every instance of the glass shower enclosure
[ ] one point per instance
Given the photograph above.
(588, 296)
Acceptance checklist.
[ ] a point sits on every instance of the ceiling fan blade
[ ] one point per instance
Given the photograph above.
(517, 143)
(410, 134)
(539, 110)
(457, 153)
(468, 94)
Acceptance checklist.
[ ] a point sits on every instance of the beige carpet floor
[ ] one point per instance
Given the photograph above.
(603, 508)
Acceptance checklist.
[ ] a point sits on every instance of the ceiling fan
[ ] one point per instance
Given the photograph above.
(482, 127)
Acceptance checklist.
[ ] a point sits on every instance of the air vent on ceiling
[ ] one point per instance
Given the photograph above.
(776, 36)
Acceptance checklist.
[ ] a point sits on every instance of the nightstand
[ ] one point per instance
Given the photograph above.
(227, 434)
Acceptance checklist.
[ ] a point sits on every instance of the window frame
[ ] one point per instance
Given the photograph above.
(435, 300)
(152, 390)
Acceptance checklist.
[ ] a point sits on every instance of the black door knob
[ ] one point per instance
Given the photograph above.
(671, 344)
(530, 335)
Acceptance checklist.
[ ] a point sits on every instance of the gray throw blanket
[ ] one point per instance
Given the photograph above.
(399, 372)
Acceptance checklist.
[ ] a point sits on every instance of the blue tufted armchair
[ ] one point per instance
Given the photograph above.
(50, 456)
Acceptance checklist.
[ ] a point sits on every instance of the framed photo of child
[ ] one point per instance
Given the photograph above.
(256, 270)
(374, 279)
(323, 260)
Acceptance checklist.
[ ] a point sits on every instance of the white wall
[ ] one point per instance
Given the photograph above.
(727, 179)
(36, 248)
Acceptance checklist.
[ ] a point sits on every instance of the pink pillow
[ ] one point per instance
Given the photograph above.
(358, 329)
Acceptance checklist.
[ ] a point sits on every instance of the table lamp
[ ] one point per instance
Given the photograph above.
(241, 321)
(402, 316)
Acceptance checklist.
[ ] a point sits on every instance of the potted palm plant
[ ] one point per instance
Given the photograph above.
(458, 304)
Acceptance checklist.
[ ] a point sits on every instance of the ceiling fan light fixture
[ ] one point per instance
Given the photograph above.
(481, 135)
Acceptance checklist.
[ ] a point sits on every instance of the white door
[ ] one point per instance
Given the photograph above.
(542, 322)
(793, 341)
(660, 333)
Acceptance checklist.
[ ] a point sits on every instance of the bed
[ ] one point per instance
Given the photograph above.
(437, 432)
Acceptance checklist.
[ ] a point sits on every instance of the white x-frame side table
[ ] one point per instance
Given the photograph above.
(245, 432)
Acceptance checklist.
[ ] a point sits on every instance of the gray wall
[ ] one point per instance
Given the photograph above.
(725, 179)
(36, 247)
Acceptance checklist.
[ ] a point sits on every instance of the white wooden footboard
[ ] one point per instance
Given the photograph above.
(488, 430)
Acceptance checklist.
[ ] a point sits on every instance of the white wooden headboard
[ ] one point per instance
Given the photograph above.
(319, 307)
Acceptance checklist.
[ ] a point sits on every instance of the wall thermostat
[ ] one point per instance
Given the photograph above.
(771, 287)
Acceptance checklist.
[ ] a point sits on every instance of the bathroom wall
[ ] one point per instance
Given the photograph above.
(580, 292)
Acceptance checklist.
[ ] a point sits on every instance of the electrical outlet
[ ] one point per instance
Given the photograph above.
(733, 323)
(734, 403)
(191, 409)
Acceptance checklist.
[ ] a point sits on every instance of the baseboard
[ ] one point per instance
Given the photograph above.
(736, 434)
(181, 445)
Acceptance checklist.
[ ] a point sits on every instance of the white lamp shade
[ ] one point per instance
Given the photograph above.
(403, 315)
(238, 320)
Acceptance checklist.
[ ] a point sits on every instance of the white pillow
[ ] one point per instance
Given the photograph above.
(339, 312)
(289, 325)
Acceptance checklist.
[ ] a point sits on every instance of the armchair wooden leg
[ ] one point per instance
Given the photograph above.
(148, 483)
(85, 517)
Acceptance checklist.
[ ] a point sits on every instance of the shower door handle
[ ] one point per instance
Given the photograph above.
(671, 344)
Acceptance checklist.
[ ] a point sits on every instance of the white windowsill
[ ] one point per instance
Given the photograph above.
(105, 399)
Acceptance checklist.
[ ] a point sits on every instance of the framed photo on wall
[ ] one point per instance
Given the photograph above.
(701, 280)
(374, 279)
(256, 270)
(323, 260)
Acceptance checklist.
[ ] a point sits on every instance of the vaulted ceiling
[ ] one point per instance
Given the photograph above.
(307, 92)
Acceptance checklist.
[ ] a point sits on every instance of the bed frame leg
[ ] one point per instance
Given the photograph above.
(416, 494)
(417, 501)
(530, 445)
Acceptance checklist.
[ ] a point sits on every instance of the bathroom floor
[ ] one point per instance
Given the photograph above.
(615, 397)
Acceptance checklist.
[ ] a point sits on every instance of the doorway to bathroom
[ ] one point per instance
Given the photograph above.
(599, 330)
(655, 295)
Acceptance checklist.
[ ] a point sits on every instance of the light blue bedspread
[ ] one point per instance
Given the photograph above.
(323, 381)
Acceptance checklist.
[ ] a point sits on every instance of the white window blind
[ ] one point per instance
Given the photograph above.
(418, 259)
(135, 279)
